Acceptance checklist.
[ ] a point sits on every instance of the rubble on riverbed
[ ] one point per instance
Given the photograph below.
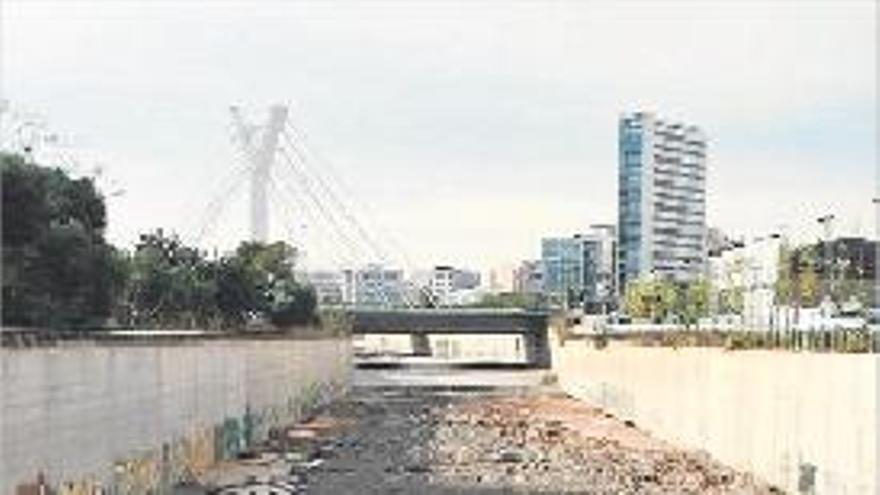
(419, 440)
(556, 444)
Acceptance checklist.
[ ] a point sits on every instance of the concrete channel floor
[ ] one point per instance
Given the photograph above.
(486, 439)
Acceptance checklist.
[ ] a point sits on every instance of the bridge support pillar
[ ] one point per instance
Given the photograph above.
(537, 349)
(421, 344)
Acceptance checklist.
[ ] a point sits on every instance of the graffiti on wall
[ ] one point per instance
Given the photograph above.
(137, 476)
(192, 455)
(188, 457)
(83, 487)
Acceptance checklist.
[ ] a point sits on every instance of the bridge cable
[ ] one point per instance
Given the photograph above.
(346, 212)
(305, 186)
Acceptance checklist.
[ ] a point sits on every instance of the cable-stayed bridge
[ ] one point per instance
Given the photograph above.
(291, 185)
(284, 171)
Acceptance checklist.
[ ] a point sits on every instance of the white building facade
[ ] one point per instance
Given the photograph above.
(747, 274)
(601, 268)
(452, 286)
(501, 278)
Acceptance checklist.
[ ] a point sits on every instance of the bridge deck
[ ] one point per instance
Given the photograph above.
(448, 321)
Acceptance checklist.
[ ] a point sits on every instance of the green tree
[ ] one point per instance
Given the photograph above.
(238, 297)
(731, 300)
(656, 300)
(693, 302)
(298, 307)
(171, 284)
(785, 279)
(269, 289)
(512, 300)
(176, 285)
(57, 269)
(59, 272)
(798, 283)
(637, 299)
(809, 286)
(668, 299)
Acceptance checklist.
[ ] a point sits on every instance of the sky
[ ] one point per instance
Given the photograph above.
(461, 132)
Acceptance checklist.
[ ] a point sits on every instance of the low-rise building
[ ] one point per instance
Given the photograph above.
(374, 286)
(528, 277)
(847, 268)
(600, 288)
(580, 270)
(328, 286)
(447, 282)
(743, 279)
(501, 278)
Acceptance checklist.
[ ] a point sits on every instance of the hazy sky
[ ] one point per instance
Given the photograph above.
(469, 129)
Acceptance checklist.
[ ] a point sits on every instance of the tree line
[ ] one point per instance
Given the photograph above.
(803, 280)
(60, 272)
(810, 273)
(664, 300)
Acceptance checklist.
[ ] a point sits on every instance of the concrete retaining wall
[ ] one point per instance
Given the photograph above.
(797, 420)
(134, 417)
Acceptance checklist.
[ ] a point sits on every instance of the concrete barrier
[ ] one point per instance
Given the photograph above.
(805, 422)
(139, 416)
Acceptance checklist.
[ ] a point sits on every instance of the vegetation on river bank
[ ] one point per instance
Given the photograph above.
(60, 272)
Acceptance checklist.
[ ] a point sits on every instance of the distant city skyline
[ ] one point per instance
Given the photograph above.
(505, 134)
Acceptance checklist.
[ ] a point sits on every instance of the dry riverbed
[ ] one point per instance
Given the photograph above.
(442, 440)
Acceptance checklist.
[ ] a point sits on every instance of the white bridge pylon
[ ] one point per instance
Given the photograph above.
(262, 158)
(284, 169)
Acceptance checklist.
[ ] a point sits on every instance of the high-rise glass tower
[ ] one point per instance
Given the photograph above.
(661, 199)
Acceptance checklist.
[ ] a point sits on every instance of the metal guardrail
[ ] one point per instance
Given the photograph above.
(843, 340)
(447, 311)
(19, 337)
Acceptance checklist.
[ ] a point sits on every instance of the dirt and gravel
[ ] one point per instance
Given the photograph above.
(473, 440)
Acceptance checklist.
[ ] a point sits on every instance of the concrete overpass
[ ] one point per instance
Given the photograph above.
(421, 322)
